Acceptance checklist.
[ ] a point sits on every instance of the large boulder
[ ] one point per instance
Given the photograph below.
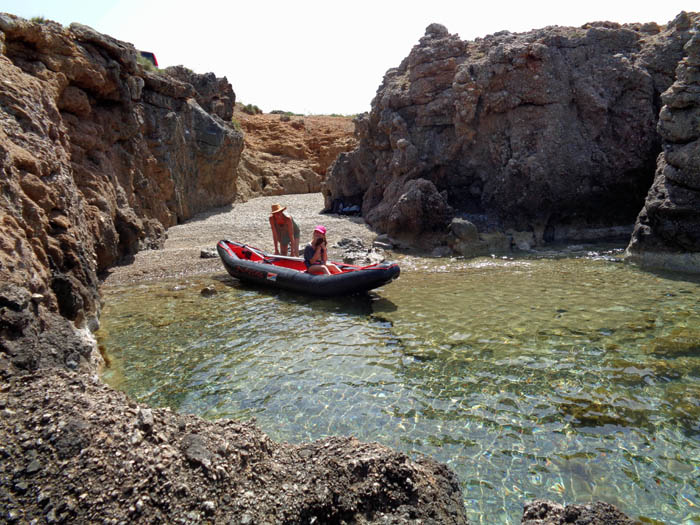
(551, 132)
(214, 95)
(667, 232)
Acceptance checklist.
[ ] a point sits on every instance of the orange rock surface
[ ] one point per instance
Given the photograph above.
(289, 154)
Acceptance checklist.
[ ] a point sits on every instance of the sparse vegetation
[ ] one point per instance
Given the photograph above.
(236, 124)
(286, 113)
(187, 70)
(146, 64)
(291, 114)
(250, 109)
(39, 20)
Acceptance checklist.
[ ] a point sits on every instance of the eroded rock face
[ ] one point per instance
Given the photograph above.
(98, 159)
(551, 132)
(214, 95)
(667, 231)
(285, 155)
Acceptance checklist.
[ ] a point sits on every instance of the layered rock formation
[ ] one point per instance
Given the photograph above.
(98, 159)
(285, 155)
(544, 136)
(667, 232)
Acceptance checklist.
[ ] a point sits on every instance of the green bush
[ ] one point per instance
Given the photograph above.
(145, 63)
(39, 20)
(236, 124)
(251, 109)
(286, 113)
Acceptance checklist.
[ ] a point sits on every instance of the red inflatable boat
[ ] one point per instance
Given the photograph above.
(289, 273)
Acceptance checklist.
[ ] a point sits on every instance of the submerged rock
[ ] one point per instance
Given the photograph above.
(542, 512)
(208, 291)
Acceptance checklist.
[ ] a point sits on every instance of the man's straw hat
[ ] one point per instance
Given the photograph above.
(276, 208)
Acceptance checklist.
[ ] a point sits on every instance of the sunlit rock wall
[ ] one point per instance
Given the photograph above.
(98, 158)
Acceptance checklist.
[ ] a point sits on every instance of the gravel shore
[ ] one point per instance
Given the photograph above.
(244, 222)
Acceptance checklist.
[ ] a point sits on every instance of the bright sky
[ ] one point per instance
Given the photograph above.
(317, 56)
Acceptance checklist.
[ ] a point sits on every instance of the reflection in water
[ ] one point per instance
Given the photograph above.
(575, 379)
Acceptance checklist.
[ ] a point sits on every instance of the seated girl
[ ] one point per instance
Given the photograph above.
(316, 254)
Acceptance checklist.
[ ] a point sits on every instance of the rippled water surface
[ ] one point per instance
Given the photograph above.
(572, 378)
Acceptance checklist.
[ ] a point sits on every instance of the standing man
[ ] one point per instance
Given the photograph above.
(285, 231)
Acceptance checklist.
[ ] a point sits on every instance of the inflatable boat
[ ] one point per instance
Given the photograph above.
(289, 273)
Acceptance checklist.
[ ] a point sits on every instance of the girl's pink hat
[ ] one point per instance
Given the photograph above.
(320, 229)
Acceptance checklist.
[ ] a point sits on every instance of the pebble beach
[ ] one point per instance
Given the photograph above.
(243, 222)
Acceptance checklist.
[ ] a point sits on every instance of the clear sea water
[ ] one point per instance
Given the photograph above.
(564, 375)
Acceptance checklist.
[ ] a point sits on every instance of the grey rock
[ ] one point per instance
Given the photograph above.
(51, 516)
(208, 291)
(145, 419)
(209, 507)
(136, 437)
(667, 231)
(33, 467)
(542, 512)
(464, 230)
(208, 253)
(354, 252)
(548, 131)
(195, 449)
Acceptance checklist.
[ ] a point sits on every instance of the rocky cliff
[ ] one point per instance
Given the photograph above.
(289, 154)
(667, 232)
(99, 157)
(541, 136)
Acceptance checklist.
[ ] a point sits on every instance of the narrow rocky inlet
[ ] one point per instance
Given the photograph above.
(116, 173)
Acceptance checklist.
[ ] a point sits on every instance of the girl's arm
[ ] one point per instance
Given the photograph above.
(318, 255)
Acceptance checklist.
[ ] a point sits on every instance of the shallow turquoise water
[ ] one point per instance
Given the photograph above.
(572, 378)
